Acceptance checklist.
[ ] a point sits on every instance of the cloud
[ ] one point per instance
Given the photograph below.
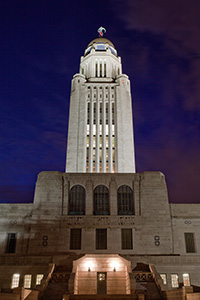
(169, 41)
(178, 19)
(179, 163)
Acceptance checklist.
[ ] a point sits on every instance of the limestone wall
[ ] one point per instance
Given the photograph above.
(185, 218)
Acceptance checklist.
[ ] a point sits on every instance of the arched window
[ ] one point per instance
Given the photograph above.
(101, 200)
(125, 200)
(77, 200)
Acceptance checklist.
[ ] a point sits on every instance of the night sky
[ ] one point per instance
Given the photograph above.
(41, 42)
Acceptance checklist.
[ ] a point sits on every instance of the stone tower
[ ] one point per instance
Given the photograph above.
(100, 134)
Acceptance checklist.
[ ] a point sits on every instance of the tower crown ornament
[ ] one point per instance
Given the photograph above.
(101, 31)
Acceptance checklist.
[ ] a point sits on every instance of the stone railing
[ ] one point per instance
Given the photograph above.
(143, 276)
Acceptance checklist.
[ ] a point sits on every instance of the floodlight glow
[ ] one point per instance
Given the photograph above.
(115, 265)
(89, 265)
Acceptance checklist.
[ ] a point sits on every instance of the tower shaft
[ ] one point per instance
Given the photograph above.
(100, 134)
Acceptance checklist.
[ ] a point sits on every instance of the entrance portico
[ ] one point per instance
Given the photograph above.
(101, 274)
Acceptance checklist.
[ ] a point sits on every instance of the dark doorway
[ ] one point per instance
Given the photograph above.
(101, 282)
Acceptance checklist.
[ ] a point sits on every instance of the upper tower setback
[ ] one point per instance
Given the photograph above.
(100, 134)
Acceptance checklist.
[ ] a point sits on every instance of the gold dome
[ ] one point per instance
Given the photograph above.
(101, 40)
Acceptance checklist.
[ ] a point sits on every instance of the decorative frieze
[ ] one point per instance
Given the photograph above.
(91, 221)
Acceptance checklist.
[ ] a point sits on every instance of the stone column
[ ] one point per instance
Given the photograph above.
(89, 198)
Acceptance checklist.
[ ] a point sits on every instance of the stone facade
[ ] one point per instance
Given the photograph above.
(43, 228)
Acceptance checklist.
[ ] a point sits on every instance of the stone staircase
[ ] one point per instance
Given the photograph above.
(145, 282)
(146, 287)
(55, 291)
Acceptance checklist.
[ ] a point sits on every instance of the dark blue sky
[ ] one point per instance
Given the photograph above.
(41, 43)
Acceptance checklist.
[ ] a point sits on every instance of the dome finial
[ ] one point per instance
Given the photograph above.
(101, 31)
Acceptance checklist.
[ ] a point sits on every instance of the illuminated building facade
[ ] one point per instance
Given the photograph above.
(100, 136)
(100, 228)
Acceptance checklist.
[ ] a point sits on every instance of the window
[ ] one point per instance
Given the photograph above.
(189, 242)
(127, 240)
(100, 69)
(75, 239)
(11, 243)
(94, 114)
(106, 111)
(77, 200)
(186, 279)
(113, 113)
(27, 281)
(88, 113)
(101, 239)
(96, 69)
(174, 280)
(164, 278)
(15, 281)
(125, 200)
(101, 200)
(39, 278)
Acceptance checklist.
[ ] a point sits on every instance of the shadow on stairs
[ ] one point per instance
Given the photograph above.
(55, 291)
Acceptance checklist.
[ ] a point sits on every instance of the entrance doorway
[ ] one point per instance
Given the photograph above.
(101, 283)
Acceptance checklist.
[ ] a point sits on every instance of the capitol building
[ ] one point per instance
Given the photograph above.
(100, 230)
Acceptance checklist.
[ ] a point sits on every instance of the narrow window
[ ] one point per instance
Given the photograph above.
(94, 115)
(106, 141)
(15, 281)
(94, 141)
(100, 160)
(106, 129)
(88, 113)
(101, 239)
(101, 200)
(27, 281)
(88, 129)
(125, 200)
(77, 200)
(106, 112)
(174, 280)
(39, 278)
(104, 69)
(11, 243)
(186, 279)
(100, 141)
(96, 70)
(127, 240)
(94, 156)
(100, 112)
(164, 278)
(87, 159)
(94, 129)
(113, 114)
(75, 239)
(100, 69)
(113, 142)
(189, 242)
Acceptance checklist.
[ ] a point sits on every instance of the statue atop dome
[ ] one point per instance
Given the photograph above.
(101, 31)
